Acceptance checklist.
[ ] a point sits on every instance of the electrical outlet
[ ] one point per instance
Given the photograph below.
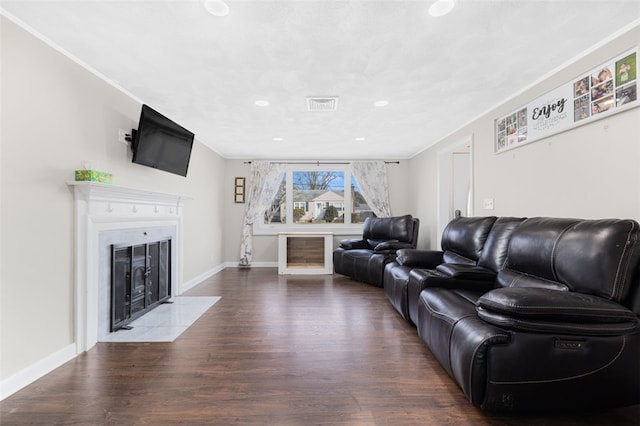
(487, 204)
(122, 136)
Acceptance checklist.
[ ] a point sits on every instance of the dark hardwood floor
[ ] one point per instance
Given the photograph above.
(276, 350)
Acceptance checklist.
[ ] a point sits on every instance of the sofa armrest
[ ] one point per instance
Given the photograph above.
(350, 244)
(427, 259)
(466, 272)
(553, 311)
(392, 246)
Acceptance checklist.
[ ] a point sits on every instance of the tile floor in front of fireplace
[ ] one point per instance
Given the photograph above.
(166, 322)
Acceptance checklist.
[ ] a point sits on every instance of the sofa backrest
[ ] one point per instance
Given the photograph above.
(597, 257)
(494, 252)
(401, 228)
(463, 239)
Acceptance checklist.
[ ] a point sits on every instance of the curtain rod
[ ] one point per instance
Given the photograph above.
(317, 162)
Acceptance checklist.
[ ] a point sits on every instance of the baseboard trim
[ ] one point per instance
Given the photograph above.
(253, 265)
(187, 285)
(25, 377)
(198, 279)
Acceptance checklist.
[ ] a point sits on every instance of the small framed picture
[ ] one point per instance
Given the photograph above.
(238, 190)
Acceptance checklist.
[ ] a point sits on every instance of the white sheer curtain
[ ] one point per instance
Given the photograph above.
(262, 185)
(372, 181)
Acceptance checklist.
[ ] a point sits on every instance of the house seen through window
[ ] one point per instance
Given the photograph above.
(318, 197)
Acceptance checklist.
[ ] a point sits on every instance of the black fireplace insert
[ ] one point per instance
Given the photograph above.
(140, 280)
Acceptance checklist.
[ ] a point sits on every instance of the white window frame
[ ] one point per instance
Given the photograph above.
(346, 228)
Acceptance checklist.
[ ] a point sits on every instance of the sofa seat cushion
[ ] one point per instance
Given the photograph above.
(466, 272)
(509, 278)
(358, 254)
(545, 310)
(419, 279)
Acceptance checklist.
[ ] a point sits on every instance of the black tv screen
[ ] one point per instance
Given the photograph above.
(162, 144)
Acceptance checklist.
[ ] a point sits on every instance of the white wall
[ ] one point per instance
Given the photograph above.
(592, 171)
(265, 247)
(234, 212)
(55, 116)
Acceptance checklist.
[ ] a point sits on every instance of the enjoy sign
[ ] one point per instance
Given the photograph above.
(607, 89)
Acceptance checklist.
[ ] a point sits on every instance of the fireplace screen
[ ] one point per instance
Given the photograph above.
(140, 280)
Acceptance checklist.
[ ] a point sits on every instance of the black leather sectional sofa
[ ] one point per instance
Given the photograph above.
(364, 259)
(532, 314)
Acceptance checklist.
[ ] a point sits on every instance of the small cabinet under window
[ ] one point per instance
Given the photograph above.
(305, 253)
(140, 280)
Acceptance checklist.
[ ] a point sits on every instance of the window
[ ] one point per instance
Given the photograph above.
(320, 197)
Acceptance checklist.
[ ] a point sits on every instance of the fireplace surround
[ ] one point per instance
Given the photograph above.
(107, 215)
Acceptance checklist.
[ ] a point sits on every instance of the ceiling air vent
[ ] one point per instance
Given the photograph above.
(322, 103)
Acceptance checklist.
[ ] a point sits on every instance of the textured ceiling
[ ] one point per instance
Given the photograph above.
(206, 72)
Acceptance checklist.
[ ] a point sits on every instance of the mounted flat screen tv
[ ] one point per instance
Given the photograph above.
(160, 143)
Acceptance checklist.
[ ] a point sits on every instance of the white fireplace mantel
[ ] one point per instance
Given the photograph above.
(102, 208)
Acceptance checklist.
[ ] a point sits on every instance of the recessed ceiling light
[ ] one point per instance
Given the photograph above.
(360, 139)
(381, 103)
(278, 139)
(216, 7)
(261, 103)
(441, 8)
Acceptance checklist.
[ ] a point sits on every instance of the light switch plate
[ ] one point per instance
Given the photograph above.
(487, 204)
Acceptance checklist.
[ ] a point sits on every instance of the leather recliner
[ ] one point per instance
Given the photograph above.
(459, 273)
(364, 259)
(473, 250)
(560, 331)
(462, 242)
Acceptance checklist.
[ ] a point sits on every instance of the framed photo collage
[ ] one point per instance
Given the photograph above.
(609, 88)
